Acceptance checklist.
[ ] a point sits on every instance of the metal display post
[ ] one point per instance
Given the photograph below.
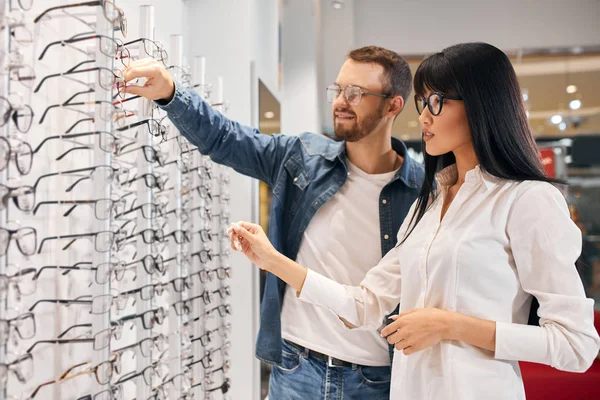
(101, 322)
(5, 38)
(144, 195)
(175, 268)
(199, 71)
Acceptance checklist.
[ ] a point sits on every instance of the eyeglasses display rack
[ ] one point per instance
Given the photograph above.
(114, 257)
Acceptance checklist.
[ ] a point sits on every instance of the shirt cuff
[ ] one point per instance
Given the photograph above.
(178, 104)
(322, 291)
(521, 343)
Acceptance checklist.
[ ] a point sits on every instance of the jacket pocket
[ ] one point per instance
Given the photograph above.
(296, 181)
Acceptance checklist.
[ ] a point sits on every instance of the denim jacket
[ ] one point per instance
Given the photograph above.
(303, 171)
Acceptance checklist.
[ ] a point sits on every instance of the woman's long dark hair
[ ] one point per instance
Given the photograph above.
(501, 135)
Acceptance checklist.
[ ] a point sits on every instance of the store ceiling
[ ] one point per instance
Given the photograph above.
(546, 79)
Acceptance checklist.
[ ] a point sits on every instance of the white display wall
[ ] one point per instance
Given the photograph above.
(94, 313)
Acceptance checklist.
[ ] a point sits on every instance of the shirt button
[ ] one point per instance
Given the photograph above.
(316, 203)
(384, 201)
(295, 179)
(386, 237)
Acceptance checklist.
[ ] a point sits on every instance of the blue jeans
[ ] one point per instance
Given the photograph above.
(303, 377)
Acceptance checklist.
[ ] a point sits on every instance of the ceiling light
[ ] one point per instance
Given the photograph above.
(571, 89)
(562, 126)
(269, 115)
(337, 4)
(556, 119)
(413, 124)
(575, 104)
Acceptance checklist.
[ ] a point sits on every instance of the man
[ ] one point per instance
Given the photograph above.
(337, 207)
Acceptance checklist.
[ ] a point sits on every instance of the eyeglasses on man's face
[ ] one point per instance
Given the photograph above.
(352, 94)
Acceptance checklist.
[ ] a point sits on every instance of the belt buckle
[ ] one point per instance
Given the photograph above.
(330, 362)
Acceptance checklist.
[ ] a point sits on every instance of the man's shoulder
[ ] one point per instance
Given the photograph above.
(320, 145)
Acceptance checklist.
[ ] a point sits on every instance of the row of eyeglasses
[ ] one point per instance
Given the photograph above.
(203, 196)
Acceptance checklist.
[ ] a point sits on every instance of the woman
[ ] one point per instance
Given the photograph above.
(488, 233)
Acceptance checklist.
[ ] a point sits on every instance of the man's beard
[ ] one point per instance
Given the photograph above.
(357, 131)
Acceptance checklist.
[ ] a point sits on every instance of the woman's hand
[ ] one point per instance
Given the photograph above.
(251, 240)
(418, 329)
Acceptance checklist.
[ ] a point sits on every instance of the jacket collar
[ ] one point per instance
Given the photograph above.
(408, 172)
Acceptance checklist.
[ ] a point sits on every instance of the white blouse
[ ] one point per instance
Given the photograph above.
(500, 243)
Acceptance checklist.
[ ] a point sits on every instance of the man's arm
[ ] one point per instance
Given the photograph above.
(227, 142)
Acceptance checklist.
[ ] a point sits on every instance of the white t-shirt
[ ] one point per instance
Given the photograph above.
(341, 242)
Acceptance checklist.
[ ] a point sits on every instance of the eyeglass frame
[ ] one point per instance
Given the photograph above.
(419, 98)
(361, 91)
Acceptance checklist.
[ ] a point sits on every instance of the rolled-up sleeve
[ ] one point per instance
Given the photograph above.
(545, 244)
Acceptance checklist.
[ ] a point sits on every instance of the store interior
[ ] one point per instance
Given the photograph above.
(116, 274)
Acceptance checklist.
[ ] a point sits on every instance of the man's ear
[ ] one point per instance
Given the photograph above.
(396, 106)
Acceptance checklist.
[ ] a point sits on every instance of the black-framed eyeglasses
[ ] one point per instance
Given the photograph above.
(223, 309)
(21, 116)
(108, 173)
(147, 292)
(149, 210)
(155, 127)
(108, 46)
(114, 392)
(152, 49)
(152, 264)
(21, 153)
(149, 374)
(434, 102)
(61, 341)
(183, 306)
(223, 292)
(108, 110)
(103, 271)
(352, 94)
(224, 388)
(149, 236)
(23, 74)
(23, 325)
(66, 302)
(103, 240)
(151, 180)
(151, 154)
(180, 284)
(103, 208)
(146, 345)
(180, 236)
(22, 367)
(20, 281)
(149, 318)
(107, 78)
(23, 197)
(26, 239)
(112, 13)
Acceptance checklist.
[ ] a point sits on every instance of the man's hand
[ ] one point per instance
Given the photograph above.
(418, 329)
(159, 84)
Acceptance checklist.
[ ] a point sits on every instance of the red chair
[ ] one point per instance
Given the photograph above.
(543, 382)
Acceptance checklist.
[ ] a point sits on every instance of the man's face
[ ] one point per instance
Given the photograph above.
(353, 123)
